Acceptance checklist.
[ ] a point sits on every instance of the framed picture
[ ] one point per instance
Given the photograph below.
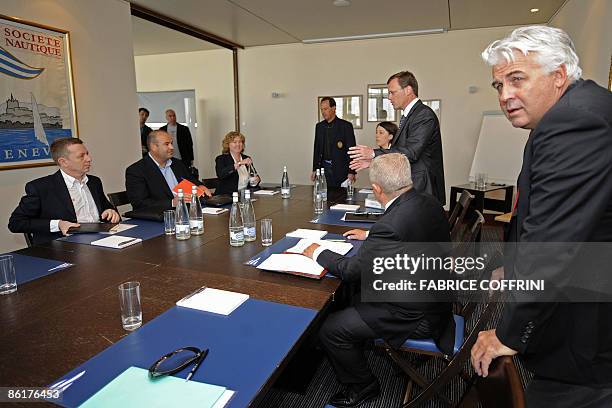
(36, 92)
(348, 107)
(436, 105)
(379, 107)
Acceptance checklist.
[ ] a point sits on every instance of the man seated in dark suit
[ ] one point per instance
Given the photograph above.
(181, 138)
(55, 203)
(409, 217)
(149, 181)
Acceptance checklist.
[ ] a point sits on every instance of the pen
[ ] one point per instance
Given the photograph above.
(197, 365)
(122, 243)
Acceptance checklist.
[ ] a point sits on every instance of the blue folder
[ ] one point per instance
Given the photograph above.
(246, 348)
(145, 230)
(28, 268)
(333, 217)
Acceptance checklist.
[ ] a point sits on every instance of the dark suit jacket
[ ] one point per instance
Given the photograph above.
(419, 140)
(47, 198)
(144, 133)
(413, 217)
(227, 174)
(344, 137)
(146, 187)
(565, 195)
(184, 141)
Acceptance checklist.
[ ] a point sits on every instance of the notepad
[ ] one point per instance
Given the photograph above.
(266, 192)
(366, 191)
(213, 300)
(213, 211)
(116, 242)
(293, 264)
(341, 248)
(307, 233)
(120, 228)
(345, 207)
(134, 388)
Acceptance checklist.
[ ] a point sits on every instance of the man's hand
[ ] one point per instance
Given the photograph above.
(111, 215)
(65, 225)
(352, 177)
(486, 348)
(357, 234)
(207, 191)
(358, 165)
(361, 152)
(309, 252)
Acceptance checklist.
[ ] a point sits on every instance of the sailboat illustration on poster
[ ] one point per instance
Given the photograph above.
(39, 131)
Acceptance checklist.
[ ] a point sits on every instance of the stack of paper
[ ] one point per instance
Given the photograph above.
(307, 233)
(134, 388)
(266, 192)
(213, 300)
(121, 227)
(294, 264)
(341, 248)
(345, 207)
(213, 210)
(116, 242)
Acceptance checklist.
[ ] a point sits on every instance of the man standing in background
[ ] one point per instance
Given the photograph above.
(181, 138)
(143, 115)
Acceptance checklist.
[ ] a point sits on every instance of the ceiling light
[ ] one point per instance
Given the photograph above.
(534, 10)
(341, 3)
(372, 36)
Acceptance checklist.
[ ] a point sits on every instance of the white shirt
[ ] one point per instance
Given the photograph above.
(410, 105)
(243, 174)
(320, 249)
(82, 201)
(172, 129)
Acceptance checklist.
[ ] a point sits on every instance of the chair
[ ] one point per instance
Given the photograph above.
(466, 239)
(455, 219)
(29, 239)
(118, 199)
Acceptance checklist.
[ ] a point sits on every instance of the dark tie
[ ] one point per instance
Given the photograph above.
(403, 121)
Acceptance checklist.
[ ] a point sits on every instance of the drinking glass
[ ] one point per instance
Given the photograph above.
(8, 279)
(169, 222)
(131, 312)
(266, 232)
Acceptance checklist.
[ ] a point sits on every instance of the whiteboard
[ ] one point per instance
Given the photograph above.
(499, 152)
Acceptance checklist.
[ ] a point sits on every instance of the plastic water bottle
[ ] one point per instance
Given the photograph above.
(323, 185)
(196, 219)
(316, 187)
(285, 186)
(236, 228)
(182, 229)
(248, 218)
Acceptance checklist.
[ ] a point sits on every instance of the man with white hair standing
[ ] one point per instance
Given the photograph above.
(564, 195)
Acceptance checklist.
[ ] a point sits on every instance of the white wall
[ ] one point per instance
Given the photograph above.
(105, 92)
(589, 24)
(211, 74)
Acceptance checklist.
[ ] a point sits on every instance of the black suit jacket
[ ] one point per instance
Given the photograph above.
(184, 141)
(227, 174)
(144, 133)
(47, 198)
(419, 140)
(413, 217)
(344, 137)
(564, 195)
(146, 187)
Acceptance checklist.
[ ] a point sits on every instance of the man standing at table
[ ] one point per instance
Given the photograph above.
(410, 218)
(55, 203)
(418, 138)
(181, 138)
(333, 138)
(149, 181)
(564, 195)
(143, 115)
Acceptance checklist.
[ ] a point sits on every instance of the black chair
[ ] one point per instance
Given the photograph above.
(118, 199)
(29, 239)
(455, 219)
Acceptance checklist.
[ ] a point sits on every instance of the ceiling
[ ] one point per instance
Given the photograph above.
(265, 22)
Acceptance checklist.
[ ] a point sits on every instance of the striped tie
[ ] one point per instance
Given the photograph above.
(403, 120)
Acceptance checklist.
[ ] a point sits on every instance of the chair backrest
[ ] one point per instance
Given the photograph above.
(118, 199)
(29, 239)
(502, 388)
(211, 183)
(456, 217)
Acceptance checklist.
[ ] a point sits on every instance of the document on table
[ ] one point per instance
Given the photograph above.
(293, 264)
(307, 233)
(116, 242)
(266, 192)
(341, 248)
(120, 228)
(213, 300)
(366, 191)
(213, 210)
(345, 207)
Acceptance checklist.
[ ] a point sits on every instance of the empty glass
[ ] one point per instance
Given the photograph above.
(131, 313)
(169, 222)
(266, 232)
(480, 180)
(8, 279)
(350, 190)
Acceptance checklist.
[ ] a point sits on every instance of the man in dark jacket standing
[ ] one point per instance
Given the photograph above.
(181, 138)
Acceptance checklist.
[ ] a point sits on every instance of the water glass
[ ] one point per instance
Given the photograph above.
(8, 279)
(266, 232)
(169, 222)
(480, 180)
(131, 313)
(350, 190)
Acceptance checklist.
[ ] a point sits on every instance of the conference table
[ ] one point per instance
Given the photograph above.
(57, 322)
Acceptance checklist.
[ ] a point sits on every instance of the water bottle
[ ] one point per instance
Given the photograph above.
(236, 228)
(316, 187)
(248, 218)
(196, 219)
(253, 175)
(285, 186)
(318, 203)
(323, 185)
(181, 219)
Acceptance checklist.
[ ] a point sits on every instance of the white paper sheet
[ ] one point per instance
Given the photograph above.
(307, 233)
(291, 263)
(116, 242)
(214, 301)
(345, 207)
(341, 248)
